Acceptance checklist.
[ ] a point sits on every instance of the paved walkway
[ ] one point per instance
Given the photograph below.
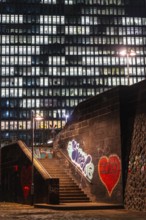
(13, 211)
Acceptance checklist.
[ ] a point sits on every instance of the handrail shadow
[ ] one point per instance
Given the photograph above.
(36, 162)
(76, 168)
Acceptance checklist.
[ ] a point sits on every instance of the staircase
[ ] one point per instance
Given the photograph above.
(69, 191)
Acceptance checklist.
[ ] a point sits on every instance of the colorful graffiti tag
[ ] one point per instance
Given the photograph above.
(43, 152)
(81, 159)
(109, 170)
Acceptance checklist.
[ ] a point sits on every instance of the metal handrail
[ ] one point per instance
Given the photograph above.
(76, 167)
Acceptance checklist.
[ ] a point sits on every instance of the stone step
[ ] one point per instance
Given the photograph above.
(74, 194)
(71, 199)
(69, 191)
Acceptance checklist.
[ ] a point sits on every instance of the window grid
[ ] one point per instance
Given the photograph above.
(52, 61)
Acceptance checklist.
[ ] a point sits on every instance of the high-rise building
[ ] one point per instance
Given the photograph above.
(57, 53)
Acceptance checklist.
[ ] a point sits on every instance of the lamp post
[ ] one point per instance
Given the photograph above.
(128, 54)
(33, 118)
(0, 165)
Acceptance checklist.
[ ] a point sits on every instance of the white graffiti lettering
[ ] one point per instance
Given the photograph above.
(80, 159)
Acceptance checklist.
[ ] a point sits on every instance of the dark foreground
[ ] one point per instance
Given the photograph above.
(13, 211)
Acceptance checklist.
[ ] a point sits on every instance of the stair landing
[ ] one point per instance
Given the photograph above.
(80, 206)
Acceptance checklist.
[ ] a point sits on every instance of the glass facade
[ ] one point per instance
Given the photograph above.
(57, 53)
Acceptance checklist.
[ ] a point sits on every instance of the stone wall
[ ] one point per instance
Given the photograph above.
(135, 193)
(92, 141)
(106, 139)
(135, 185)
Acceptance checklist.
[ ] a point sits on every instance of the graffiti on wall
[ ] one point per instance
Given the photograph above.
(41, 152)
(137, 163)
(109, 170)
(26, 174)
(102, 150)
(81, 159)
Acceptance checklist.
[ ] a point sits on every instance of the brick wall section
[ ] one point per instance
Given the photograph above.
(95, 126)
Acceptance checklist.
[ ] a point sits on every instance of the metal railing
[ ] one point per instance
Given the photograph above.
(77, 169)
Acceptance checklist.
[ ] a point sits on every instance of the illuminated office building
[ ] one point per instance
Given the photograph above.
(57, 53)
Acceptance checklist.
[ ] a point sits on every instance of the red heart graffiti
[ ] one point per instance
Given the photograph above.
(109, 170)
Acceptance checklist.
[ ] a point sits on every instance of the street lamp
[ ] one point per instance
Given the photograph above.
(33, 119)
(128, 54)
(66, 118)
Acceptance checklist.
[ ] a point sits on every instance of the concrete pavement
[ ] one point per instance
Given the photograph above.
(14, 211)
